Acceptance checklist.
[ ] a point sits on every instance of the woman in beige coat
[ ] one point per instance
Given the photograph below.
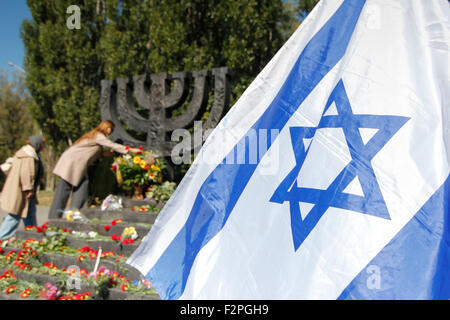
(18, 196)
(73, 164)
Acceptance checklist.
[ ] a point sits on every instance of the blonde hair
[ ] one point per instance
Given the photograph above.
(101, 128)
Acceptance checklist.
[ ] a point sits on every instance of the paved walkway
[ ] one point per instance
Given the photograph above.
(42, 216)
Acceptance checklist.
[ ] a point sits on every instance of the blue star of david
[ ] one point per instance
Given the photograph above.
(372, 203)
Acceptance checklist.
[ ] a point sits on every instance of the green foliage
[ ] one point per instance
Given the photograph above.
(101, 181)
(63, 69)
(51, 244)
(289, 19)
(305, 6)
(162, 192)
(16, 123)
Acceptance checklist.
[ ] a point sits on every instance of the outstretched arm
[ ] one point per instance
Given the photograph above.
(117, 147)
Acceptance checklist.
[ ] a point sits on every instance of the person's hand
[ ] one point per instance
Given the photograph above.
(28, 194)
(134, 150)
(150, 160)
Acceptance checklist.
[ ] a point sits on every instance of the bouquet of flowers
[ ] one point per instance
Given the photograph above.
(129, 235)
(138, 170)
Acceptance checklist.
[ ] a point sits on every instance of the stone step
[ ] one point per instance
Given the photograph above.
(117, 294)
(14, 296)
(42, 279)
(130, 203)
(125, 214)
(65, 261)
(99, 227)
(78, 243)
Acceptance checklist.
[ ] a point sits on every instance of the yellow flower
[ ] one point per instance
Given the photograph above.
(69, 216)
(136, 160)
(128, 231)
(155, 168)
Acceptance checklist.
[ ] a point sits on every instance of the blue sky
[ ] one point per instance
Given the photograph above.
(12, 13)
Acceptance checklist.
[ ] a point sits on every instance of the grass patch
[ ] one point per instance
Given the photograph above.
(45, 198)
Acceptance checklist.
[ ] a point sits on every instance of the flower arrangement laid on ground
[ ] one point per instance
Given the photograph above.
(161, 192)
(73, 215)
(138, 171)
(145, 208)
(129, 234)
(41, 229)
(107, 227)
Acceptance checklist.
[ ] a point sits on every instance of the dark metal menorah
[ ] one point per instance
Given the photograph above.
(160, 94)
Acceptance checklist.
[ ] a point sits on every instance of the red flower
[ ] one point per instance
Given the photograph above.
(125, 242)
(113, 223)
(107, 227)
(51, 265)
(80, 258)
(124, 287)
(85, 249)
(10, 289)
(114, 167)
(25, 293)
(141, 148)
(112, 282)
(115, 237)
(130, 241)
(127, 148)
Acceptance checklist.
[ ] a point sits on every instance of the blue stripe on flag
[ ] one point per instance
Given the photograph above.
(223, 187)
(416, 262)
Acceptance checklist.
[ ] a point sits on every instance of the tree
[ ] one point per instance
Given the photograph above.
(166, 36)
(304, 7)
(63, 68)
(127, 37)
(289, 20)
(16, 123)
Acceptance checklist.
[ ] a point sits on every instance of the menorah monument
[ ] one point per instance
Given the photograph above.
(160, 94)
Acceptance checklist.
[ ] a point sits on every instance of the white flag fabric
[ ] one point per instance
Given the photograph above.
(329, 178)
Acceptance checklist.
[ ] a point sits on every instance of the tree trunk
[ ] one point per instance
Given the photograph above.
(49, 160)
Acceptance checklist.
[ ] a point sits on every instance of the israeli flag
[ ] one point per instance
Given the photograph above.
(329, 178)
